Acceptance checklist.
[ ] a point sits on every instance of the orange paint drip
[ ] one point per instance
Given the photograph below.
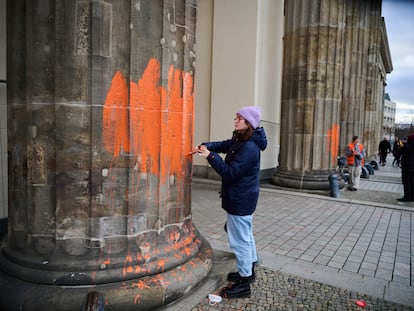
(146, 117)
(333, 142)
(188, 112)
(115, 116)
(137, 299)
(172, 142)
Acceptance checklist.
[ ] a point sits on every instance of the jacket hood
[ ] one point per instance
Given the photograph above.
(259, 137)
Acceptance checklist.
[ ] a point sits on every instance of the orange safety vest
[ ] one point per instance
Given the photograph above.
(350, 160)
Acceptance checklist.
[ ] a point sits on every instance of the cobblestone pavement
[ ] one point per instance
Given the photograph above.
(322, 253)
(280, 291)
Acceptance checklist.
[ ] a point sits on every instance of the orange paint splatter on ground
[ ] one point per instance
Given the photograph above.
(333, 143)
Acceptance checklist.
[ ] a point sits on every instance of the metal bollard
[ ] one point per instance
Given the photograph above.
(334, 185)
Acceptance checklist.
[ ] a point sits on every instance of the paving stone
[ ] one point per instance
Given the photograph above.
(359, 246)
(279, 291)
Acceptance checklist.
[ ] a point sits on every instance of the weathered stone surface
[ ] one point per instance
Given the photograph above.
(101, 178)
(333, 80)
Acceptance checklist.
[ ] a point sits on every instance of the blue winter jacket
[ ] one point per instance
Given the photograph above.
(239, 171)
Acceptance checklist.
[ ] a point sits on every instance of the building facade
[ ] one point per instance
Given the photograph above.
(388, 128)
(316, 68)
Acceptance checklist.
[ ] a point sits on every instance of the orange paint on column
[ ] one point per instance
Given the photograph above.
(157, 118)
(158, 129)
(146, 117)
(188, 110)
(115, 116)
(172, 143)
(333, 142)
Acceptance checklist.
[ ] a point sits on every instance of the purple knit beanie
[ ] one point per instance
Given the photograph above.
(251, 114)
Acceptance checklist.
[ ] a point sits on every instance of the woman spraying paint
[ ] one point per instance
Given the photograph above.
(239, 191)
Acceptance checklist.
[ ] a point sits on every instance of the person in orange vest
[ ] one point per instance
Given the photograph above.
(355, 155)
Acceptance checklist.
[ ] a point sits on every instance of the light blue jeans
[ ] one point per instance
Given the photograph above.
(241, 240)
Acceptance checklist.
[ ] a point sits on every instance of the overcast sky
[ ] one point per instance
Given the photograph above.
(399, 21)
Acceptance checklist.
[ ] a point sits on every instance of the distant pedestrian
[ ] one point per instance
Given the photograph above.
(355, 155)
(384, 148)
(407, 169)
(396, 151)
(239, 192)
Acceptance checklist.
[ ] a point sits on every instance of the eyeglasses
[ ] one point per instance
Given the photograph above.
(238, 119)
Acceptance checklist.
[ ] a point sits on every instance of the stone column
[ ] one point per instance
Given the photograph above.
(100, 115)
(362, 107)
(355, 71)
(374, 92)
(311, 93)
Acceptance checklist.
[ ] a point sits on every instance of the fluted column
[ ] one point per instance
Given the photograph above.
(374, 94)
(100, 115)
(355, 71)
(364, 75)
(311, 93)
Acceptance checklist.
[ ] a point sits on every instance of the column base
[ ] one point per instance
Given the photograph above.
(308, 182)
(145, 293)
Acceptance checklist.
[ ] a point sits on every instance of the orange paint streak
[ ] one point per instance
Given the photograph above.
(146, 117)
(160, 120)
(137, 299)
(333, 142)
(108, 260)
(188, 111)
(172, 143)
(115, 116)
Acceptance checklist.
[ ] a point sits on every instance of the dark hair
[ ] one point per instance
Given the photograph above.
(243, 135)
(355, 138)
